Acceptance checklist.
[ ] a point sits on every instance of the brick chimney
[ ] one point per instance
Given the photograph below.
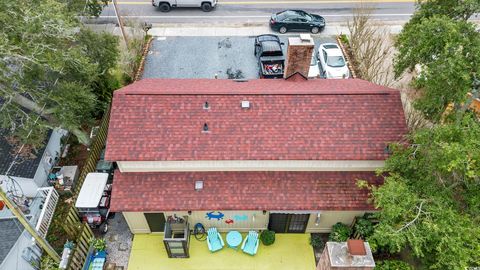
(299, 55)
(351, 255)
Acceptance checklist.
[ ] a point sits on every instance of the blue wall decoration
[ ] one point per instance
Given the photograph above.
(240, 217)
(212, 215)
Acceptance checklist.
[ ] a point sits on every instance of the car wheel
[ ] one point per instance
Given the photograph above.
(283, 30)
(164, 7)
(206, 7)
(315, 30)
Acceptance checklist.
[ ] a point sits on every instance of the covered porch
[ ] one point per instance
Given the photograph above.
(290, 251)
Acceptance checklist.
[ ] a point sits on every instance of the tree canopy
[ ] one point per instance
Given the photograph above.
(430, 200)
(85, 7)
(47, 69)
(445, 46)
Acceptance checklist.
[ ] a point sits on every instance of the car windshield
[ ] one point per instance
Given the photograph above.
(335, 61)
(308, 17)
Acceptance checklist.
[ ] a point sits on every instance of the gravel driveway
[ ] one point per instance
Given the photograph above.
(205, 57)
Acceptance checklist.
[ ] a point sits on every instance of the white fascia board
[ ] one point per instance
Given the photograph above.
(250, 165)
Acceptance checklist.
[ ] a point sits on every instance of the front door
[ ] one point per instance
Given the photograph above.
(288, 223)
(156, 221)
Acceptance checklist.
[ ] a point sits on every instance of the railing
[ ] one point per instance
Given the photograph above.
(81, 249)
(45, 218)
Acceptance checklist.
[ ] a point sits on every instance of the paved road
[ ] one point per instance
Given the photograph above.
(258, 11)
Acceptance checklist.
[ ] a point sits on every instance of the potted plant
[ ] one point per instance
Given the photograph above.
(99, 244)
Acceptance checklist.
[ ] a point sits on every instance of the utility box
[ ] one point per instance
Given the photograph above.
(351, 255)
(299, 55)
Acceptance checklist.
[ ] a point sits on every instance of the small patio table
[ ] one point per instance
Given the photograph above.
(234, 239)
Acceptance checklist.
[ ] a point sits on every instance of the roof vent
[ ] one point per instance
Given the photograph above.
(205, 127)
(245, 104)
(206, 106)
(198, 185)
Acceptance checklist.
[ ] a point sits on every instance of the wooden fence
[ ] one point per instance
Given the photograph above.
(94, 154)
(72, 225)
(81, 249)
(72, 222)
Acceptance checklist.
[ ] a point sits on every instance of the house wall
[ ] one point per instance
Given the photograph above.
(136, 222)
(250, 165)
(27, 185)
(329, 218)
(230, 220)
(243, 220)
(50, 156)
(14, 258)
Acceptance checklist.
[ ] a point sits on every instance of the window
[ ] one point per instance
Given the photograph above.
(335, 61)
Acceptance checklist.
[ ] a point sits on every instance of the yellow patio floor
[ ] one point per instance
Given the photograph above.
(289, 252)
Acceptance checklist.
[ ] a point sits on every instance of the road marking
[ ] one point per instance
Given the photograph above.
(242, 16)
(263, 2)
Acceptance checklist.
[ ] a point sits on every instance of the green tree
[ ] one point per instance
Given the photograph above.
(85, 7)
(45, 71)
(448, 52)
(455, 9)
(430, 200)
(101, 49)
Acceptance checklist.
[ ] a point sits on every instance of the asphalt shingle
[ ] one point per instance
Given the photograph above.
(241, 191)
(163, 119)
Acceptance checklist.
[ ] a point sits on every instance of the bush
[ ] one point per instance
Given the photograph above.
(364, 227)
(316, 241)
(392, 265)
(344, 39)
(340, 232)
(267, 237)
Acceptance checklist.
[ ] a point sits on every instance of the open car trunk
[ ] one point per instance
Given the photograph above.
(272, 67)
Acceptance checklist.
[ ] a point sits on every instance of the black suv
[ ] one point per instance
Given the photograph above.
(297, 20)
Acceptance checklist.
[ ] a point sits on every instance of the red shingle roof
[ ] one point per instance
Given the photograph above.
(162, 119)
(240, 191)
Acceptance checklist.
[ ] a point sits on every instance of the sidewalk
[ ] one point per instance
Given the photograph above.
(166, 30)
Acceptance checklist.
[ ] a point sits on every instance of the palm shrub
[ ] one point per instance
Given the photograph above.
(340, 233)
(267, 237)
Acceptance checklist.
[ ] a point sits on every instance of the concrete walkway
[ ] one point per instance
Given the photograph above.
(224, 29)
(245, 30)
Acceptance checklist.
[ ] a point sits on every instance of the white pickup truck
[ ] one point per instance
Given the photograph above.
(167, 5)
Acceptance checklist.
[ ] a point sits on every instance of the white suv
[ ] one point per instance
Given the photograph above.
(167, 5)
(332, 61)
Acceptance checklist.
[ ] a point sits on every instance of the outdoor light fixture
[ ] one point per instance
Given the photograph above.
(264, 212)
(317, 220)
(198, 185)
(189, 212)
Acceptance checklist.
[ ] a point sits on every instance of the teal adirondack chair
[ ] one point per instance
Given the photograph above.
(214, 240)
(250, 244)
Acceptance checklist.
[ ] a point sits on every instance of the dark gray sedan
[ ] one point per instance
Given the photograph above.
(297, 20)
